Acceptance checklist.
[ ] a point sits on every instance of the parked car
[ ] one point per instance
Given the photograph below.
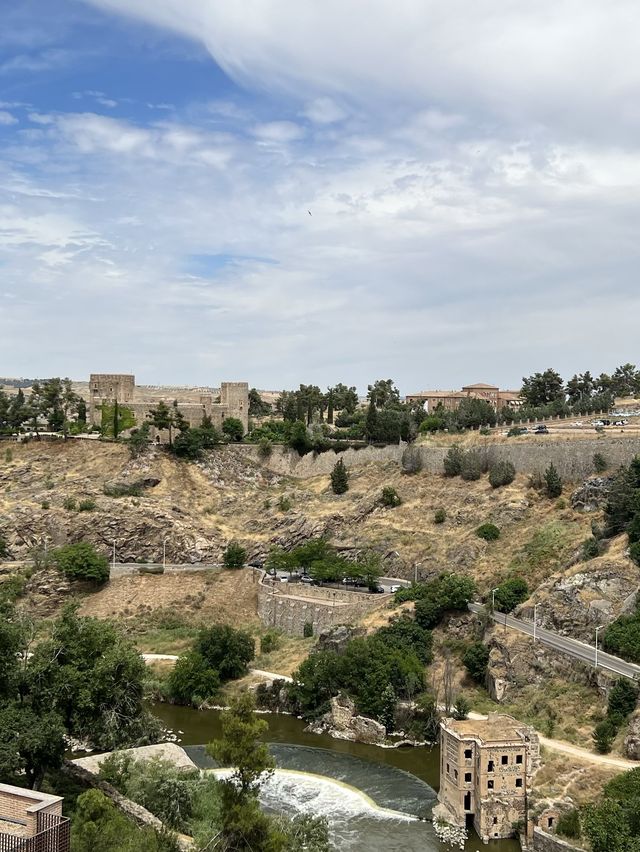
(541, 430)
(376, 590)
(395, 588)
(307, 580)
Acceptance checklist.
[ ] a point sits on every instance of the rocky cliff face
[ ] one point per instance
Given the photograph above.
(343, 723)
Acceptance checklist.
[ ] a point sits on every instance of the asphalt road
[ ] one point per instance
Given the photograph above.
(572, 647)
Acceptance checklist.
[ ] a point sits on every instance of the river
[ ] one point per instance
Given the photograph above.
(370, 795)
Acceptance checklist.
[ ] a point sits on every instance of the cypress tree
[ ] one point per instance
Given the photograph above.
(553, 481)
(339, 478)
(371, 423)
(330, 409)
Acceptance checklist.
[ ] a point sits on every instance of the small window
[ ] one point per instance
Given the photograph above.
(495, 820)
(467, 754)
(550, 822)
(467, 777)
(518, 782)
(455, 774)
(448, 770)
(518, 758)
(504, 760)
(490, 784)
(490, 766)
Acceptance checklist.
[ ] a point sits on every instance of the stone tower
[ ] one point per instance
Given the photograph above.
(235, 396)
(107, 387)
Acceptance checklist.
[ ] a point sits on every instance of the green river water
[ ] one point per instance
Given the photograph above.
(370, 795)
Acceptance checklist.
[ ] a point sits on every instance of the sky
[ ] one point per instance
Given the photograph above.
(437, 191)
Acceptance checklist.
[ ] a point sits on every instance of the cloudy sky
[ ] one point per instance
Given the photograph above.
(285, 191)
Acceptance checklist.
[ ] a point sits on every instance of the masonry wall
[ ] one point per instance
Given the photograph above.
(543, 842)
(573, 459)
(323, 608)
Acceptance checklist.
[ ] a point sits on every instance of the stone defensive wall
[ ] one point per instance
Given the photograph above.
(543, 842)
(289, 607)
(572, 458)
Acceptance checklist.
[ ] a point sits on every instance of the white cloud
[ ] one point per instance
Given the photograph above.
(324, 111)
(278, 131)
(6, 118)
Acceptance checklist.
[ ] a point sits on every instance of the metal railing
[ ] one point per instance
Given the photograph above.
(53, 835)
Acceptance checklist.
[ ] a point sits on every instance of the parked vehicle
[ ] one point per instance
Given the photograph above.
(541, 430)
(376, 590)
(395, 588)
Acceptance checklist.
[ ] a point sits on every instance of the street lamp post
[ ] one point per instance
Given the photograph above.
(164, 554)
(493, 599)
(597, 629)
(114, 554)
(535, 622)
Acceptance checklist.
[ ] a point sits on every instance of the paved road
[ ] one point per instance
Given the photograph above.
(572, 647)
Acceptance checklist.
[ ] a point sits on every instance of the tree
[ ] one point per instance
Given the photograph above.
(453, 461)
(192, 679)
(580, 387)
(339, 478)
(390, 497)
(501, 473)
(257, 406)
(244, 827)
(606, 828)
(553, 481)
(299, 439)
(461, 708)
(387, 713)
(161, 418)
(382, 393)
(233, 427)
(98, 825)
(234, 555)
(371, 422)
(81, 561)
(18, 412)
(344, 398)
(622, 700)
(330, 407)
(543, 388)
(139, 440)
(625, 380)
(226, 650)
(30, 743)
(473, 413)
(603, 736)
(510, 593)
(476, 659)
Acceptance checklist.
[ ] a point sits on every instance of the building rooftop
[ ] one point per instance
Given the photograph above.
(438, 393)
(498, 727)
(480, 386)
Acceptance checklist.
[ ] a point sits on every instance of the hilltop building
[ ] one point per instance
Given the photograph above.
(193, 403)
(450, 400)
(486, 769)
(32, 821)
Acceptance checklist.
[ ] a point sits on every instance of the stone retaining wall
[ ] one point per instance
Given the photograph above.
(572, 458)
(543, 842)
(323, 608)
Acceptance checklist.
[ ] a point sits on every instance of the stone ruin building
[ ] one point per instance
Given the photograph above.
(107, 388)
(486, 771)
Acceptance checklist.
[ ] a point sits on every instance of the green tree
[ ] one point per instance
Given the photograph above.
(387, 714)
(603, 736)
(501, 473)
(453, 461)
(344, 398)
(234, 555)
(622, 700)
(98, 825)
(30, 744)
(543, 388)
(371, 422)
(476, 659)
(233, 427)
(299, 439)
(390, 497)
(139, 440)
(553, 481)
(472, 413)
(510, 593)
(161, 418)
(461, 708)
(382, 393)
(192, 679)
(339, 478)
(81, 561)
(257, 406)
(226, 650)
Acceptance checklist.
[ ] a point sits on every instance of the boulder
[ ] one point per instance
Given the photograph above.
(632, 739)
(337, 638)
(592, 495)
(342, 723)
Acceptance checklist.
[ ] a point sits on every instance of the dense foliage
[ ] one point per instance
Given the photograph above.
(510, 593)
(501, 473)
(447, 593)
(553, 482)
(339, 478)
(489, 532)
(81, 561)
(476, 659)
(613, 824)
(234, 555)
(99, 825)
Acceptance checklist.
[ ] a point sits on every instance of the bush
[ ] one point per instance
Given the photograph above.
(269, 642)
(569, 824)
(339, 478)
(299, 439)
(4, 548)
(515, 432)
(81, 561)
(603, 735)
(489, 532)
(501, 473)
(226, 650)
(44, 505)
(634, 552)
(87, 505)
(622, 700)
(390, 497)
(461, 709)
(234, 555)
(411, 459)
(476, 659)
(453, 461)
(510, 593)
(192, 680)
(284, 503)
(70, 504)
(590, 549)
(448, 592)
(471, 467)
(440, 516)
(600, 464)
(265, 448)
(307, 630)
(553, 481)
(233, 427)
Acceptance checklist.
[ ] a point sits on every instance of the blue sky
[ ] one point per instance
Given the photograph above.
(278, 192)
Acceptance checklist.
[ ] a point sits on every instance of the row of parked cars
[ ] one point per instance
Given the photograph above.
(355, 582)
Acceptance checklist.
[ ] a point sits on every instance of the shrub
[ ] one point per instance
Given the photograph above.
(390, 497)
(634, 552)
(501, 473)
(515, 432)
(70, 504)
(489, 532)
(307, 630)
(603, 735)
(269, 642)
(590, 549)
(234, 555)
(81, 561)
(87, 505)
(448, 592)
(622, 700)
(233, 427)
(4, 548)
(569, 823)
(411, 459)
(265, 448)
(225, 649)
(339, 478)
(600, 464)
(471, 467)
(192, 679)
(461, 709)
(453, 461)
(476, 659)
(553, 481)
(510, 593)
(45, 504)
(440, 516)
(284, 503)
(8, 455)
(122, 489)
(299, 439)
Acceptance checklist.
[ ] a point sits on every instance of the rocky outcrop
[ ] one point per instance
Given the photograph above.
(337, 638)
(592, 495)
(342, 723)
(632, 739)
